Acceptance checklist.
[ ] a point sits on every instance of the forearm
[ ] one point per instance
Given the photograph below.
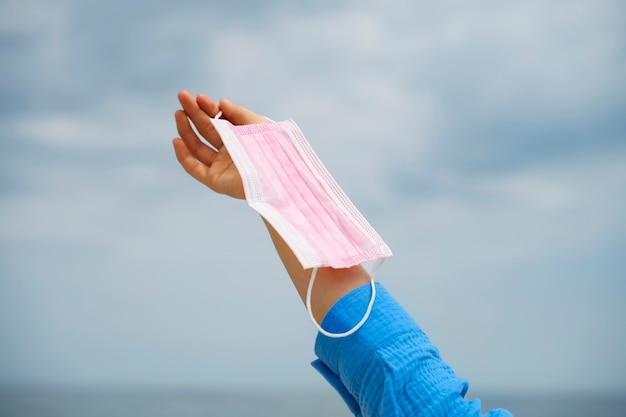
(217, 170)
(330, 284)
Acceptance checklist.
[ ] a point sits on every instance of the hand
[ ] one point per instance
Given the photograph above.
(212, 167)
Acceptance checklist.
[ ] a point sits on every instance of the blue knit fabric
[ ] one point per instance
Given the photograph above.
(389, 367)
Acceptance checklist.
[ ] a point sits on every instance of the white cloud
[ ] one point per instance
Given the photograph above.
(516, 217)
(119, 123)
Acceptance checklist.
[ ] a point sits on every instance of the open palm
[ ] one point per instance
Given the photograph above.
(211, 165)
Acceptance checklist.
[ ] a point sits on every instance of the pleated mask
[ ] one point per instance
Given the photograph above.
(286, 183)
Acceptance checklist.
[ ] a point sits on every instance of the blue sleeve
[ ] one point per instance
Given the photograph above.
(388, 367)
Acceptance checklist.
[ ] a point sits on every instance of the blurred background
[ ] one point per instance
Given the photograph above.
(486, 143)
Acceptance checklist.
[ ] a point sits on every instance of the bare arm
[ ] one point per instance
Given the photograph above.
(215, 169)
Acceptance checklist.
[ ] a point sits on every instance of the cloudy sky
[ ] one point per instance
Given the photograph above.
(486, 142)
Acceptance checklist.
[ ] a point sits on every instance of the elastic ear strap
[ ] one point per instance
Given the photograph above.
(365, 316)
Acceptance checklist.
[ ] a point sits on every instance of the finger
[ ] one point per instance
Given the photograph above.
(194, 145)
(200, 118)
(191, 165)
(212, 109)
(238, 114)
(207, 105)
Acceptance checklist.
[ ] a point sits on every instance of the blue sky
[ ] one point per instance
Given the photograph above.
(486, 143)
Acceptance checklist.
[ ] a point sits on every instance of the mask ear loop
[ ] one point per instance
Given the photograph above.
(367, 311)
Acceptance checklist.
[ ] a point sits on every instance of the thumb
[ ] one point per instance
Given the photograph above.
(238, 114)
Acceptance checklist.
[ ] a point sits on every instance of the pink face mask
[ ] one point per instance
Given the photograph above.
(287, 184)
